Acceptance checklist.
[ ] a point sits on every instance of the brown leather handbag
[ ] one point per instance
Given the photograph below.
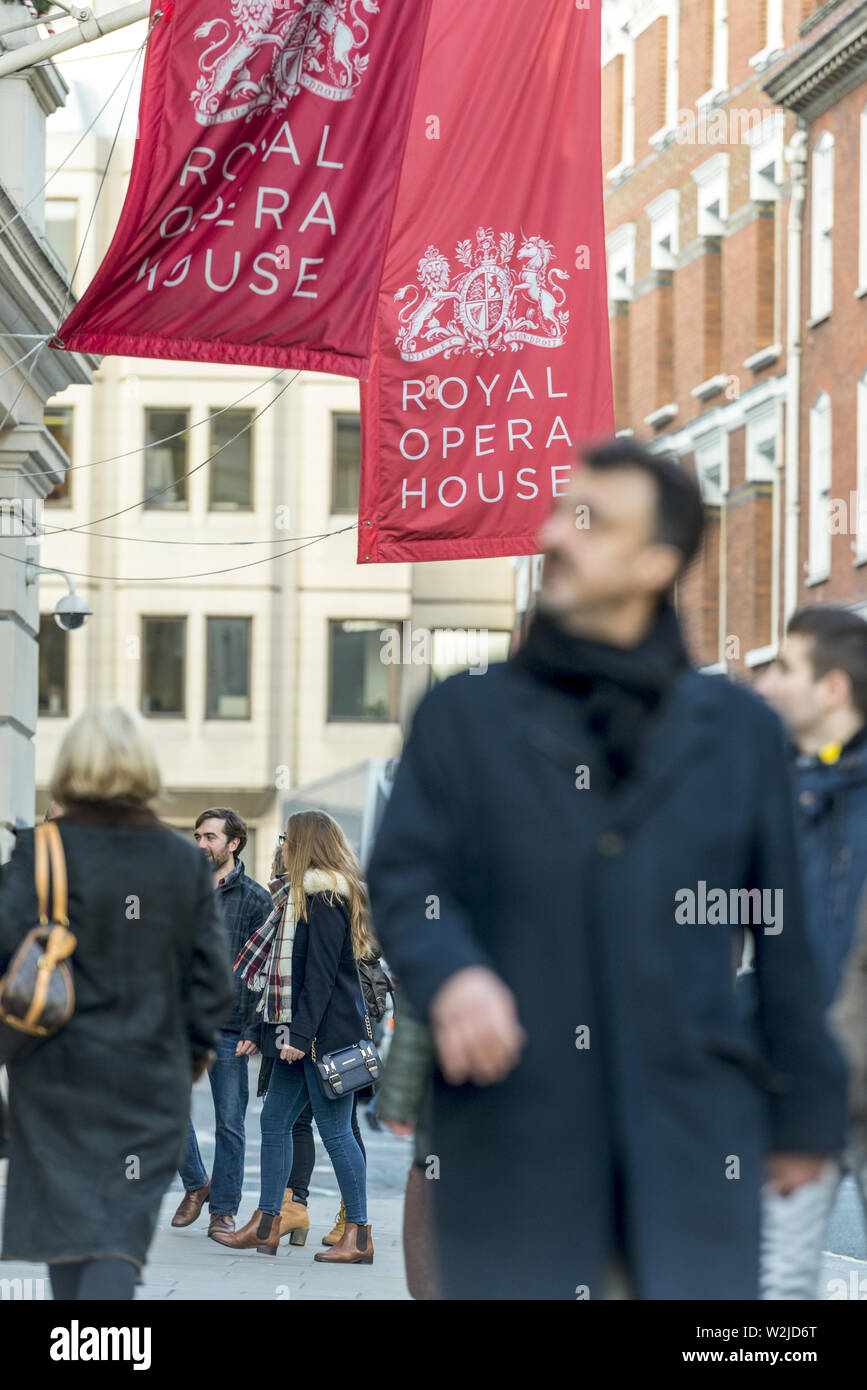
(36, 994)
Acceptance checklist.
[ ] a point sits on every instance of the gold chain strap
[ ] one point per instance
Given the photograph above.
(366, 1022)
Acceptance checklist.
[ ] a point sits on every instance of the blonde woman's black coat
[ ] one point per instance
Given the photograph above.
(99, 1113)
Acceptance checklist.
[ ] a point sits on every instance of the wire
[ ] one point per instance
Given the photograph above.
(83, 137)
(173, 578)
(26, 381)
(154, 444)
(97, 521)
(158, 540)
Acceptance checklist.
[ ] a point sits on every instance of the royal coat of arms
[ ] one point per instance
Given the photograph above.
(491, 306)
(273, 49)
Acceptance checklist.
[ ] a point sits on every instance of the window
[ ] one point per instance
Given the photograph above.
(163, 661)
(720, 45)
(228, 674)
(712, 179)
(464, 649)
(766, 158)
(664, 240)
(166, 461)
(346, 462)
(762, 446)
(620, 247)
(231, 471)
(819, 563)
(774, 29)
(362, 684)
(712, 468)
(61, 215)
(58, 422)
(822, 224)
(52, 667)
(861, 475)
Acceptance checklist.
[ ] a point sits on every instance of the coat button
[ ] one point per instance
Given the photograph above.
(610, 844)
(806, 798)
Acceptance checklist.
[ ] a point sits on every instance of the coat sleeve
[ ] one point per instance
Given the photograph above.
(258, 912)
(418, 917)
(18, 907)
(808, 1113)
(849, 1014)
(326, 935)
(210, 992)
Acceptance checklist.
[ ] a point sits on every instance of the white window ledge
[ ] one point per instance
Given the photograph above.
(712, 95)
(763, 358)
(719, 668)
(764, 58)
(813, 579)
(820, 318)
(666, 135)
(711, 387)
(861, 291)
(759, 656)
(860, 558)
(624, 434)
(619, 172)
(657, 418)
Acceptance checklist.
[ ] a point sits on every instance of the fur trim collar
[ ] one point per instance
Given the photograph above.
(325, 881)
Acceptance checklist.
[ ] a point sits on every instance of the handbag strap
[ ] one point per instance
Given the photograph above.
(40, 870)
(58, 873)
(366, 1017)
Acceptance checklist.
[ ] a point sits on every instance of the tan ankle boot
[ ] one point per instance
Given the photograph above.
(294, 1219)
(355, 1247)
(262, 1231)
(336, 1233)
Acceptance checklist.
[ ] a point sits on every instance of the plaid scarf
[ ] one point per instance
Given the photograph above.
(265, 963)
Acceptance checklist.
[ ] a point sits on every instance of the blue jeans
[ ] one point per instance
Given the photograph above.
(291, 1087)
(230, 1090)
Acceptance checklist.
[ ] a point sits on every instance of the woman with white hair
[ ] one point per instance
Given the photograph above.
(99, 1112)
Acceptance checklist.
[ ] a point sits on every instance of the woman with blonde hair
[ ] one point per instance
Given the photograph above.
(99, 1112)
(303, 962)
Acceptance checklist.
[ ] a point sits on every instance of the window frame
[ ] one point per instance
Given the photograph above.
(335, 416)
(230, 718)
(332, 718)
(46, 618)
(149, 506)
(822, 228)
(231, 506)
(181, 618)
(821, 413)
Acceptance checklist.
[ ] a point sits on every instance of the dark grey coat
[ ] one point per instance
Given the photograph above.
(99, 1113)
(489, 854)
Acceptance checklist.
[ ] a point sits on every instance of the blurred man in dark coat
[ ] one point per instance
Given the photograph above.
(572, 846)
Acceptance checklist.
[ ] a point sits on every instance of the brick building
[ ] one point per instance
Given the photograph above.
(735, 158)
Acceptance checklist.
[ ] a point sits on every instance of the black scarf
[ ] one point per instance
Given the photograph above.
(619, 687)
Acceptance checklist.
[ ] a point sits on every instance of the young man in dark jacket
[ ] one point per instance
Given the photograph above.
(818, 684)
(547, 884)
(221, 834)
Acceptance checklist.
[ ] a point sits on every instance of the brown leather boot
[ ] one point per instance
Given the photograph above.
(355, 1247)
(294, 1219)
(261, 1232)
(222, 1223)
(191, 1207)
(336, 1232)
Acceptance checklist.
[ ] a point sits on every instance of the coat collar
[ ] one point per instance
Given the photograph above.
(683, 730)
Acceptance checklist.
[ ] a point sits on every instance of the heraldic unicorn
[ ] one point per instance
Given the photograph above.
(490, 307)
(271, 49)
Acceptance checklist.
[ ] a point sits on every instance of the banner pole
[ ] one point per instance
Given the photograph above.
(85, 32)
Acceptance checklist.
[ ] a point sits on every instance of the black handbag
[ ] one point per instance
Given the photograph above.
(351, 1068)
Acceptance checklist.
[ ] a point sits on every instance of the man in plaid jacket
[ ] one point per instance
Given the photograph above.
(221, 834)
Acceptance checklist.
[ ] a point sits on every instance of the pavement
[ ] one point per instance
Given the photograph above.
(185, 1265)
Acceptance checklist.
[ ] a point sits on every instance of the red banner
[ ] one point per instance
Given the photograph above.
(491, 357)
(269, 146)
